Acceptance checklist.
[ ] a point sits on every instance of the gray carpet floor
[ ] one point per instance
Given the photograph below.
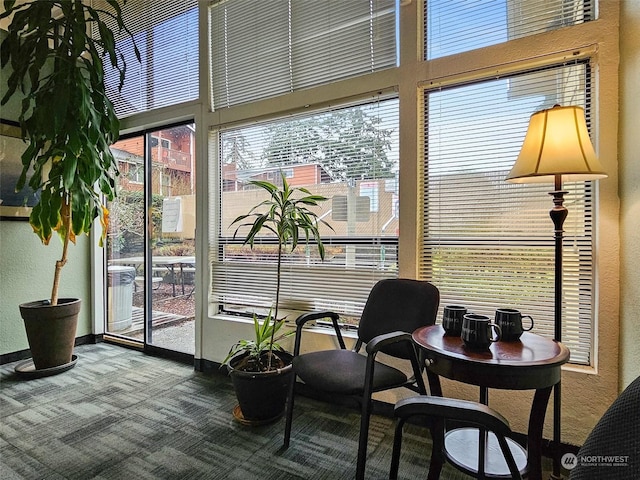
(121, 414)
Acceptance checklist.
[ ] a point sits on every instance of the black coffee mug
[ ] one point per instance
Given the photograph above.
(477, 330)
(510, 322)
(452, 319)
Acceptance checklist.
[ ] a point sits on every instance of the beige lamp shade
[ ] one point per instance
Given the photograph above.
(557, 143)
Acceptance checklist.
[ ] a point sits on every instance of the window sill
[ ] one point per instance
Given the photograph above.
(348, 332)
(580, 369)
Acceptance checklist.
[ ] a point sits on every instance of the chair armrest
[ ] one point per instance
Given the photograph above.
(453, 409)
(309, 316)
(385, 339)
(317, 315)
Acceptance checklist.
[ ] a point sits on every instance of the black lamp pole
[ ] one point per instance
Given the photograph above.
(557, 143)
(558, 214)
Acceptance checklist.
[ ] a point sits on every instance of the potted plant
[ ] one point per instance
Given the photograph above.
(260, 368)
(56, 50)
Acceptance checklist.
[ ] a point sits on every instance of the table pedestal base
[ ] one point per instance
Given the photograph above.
(462, 448)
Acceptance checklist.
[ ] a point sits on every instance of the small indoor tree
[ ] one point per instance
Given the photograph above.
(261, 377)
(55, 52)
(286, 217)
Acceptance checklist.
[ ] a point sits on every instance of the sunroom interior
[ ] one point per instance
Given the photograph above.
(407, 116)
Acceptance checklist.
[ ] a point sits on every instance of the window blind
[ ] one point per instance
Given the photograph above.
(166, 34)
(455, 27)
(350, 156)
(487, 243)
(272, 47)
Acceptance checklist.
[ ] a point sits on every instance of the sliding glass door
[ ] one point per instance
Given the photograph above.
(150, 250)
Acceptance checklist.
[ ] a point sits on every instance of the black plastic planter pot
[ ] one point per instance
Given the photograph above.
(51, 331)
(261, 395)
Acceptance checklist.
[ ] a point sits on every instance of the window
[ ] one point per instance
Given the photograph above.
(487, 243)
(166, 34)
(295, 45)
(459, 26)
(160, 143)
(350, 156)
(165, 184)
(136, 173)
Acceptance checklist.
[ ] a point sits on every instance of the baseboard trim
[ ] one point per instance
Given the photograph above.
(24, 354)
(180, 357)
(207, 366)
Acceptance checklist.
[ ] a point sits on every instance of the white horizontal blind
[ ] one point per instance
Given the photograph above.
(166, 34)
(487, 243)
(260, 49)
(348, 155)
(455, 27)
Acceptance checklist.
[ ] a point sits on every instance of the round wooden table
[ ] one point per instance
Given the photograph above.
(531, 363)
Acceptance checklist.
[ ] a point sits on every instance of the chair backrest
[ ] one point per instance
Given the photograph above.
(398, 304)
(617, 434)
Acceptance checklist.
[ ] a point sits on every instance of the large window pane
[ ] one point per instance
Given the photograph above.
(295, 45)
(455, 26)
(350, 156)
(166, 34)
(151, 261)
(489, 244)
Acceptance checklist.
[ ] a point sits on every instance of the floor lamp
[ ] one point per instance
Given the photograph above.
(556, 148)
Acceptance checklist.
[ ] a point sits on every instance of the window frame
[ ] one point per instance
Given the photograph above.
(491, 230)
(221, 241)
(412, 74)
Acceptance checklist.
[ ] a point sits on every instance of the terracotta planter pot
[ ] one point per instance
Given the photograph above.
(51, 330)
(261, 395)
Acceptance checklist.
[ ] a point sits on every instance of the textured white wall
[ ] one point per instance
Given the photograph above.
(629, 191)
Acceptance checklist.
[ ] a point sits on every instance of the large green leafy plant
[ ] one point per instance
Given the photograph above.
(56, 51)
(290, 219)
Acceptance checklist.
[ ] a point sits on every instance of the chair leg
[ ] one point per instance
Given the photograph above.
(437, 456)
(436, 427)
(397, 446)
(289, 413)
(364, 438)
